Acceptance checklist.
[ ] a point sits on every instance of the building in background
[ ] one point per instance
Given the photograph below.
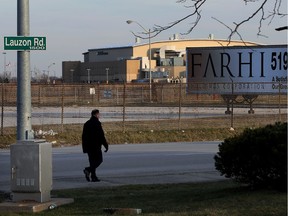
(131, 63)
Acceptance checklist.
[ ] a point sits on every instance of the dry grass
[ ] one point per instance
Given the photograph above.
(196, 129)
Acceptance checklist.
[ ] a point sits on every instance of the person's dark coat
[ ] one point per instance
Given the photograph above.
(93, 136)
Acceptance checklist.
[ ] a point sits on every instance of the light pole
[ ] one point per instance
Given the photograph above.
(107, 75)
(72, 72)
(88, 75)
(149, 37)
(48, 78)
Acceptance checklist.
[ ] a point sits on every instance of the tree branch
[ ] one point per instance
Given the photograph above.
(197, 7)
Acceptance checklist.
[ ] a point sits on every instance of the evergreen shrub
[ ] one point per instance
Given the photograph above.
(257, 157)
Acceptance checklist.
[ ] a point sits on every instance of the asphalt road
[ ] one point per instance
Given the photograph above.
(129, 164)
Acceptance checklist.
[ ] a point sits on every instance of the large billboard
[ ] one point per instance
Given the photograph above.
(243, 70)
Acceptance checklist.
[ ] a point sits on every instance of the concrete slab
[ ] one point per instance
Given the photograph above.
(122, 211)
(32, 206)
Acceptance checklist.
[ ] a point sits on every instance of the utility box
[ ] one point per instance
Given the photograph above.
(31, 170)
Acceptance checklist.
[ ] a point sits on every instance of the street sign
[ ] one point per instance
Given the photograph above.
(24, 43)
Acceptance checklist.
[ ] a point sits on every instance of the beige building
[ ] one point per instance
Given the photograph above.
(131, 63)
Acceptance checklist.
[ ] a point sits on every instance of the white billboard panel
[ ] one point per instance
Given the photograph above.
(252, 70)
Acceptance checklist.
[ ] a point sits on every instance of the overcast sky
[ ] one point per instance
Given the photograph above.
(71, 27)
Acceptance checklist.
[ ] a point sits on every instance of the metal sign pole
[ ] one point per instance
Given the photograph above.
(31, 160)
(24, 129)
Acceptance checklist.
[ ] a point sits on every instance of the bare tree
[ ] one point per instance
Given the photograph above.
(263, 13)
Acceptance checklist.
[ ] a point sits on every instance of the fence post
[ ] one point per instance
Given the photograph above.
(279, 101)
(124, 105)
(39, 95)
(162, 93)
(232, 106)
(62, 108)
(117, 94)
(142, 94)
(98, 92)
(75, 94)
(2, 107)
(180, 104)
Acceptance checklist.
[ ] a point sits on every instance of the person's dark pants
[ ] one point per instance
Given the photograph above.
(95, 159)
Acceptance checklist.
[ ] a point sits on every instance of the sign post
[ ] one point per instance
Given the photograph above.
(31, 160)
(24, 128)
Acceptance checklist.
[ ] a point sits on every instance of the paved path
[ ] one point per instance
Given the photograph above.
(130, 164)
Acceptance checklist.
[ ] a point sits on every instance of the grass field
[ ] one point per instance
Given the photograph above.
(223, 198)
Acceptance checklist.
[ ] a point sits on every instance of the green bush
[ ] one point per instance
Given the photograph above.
(257, 157)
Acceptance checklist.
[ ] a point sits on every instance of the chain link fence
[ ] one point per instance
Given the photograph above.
(137, 103)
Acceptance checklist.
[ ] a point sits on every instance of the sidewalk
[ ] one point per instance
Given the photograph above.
(110, 181)
(130, 164)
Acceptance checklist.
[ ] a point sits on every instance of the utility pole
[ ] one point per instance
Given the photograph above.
(107, 75)
(88, 75)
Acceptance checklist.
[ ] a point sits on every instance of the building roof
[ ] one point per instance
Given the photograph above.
(174, 41)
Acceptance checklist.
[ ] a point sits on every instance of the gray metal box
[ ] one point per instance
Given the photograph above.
(31, 170)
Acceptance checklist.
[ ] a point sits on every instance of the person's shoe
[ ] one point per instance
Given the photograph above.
(87, 175)
(95, 179)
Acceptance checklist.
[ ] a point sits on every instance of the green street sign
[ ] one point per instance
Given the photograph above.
(24, 43)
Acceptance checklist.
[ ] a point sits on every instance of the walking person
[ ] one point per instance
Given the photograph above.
(92, 140)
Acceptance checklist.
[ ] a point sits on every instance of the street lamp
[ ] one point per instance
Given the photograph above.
(149, 37)
(88, 75)
(48, 78)
(72, 77)
(107, 75)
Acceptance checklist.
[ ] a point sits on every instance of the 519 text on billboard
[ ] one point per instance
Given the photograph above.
(278, 60)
